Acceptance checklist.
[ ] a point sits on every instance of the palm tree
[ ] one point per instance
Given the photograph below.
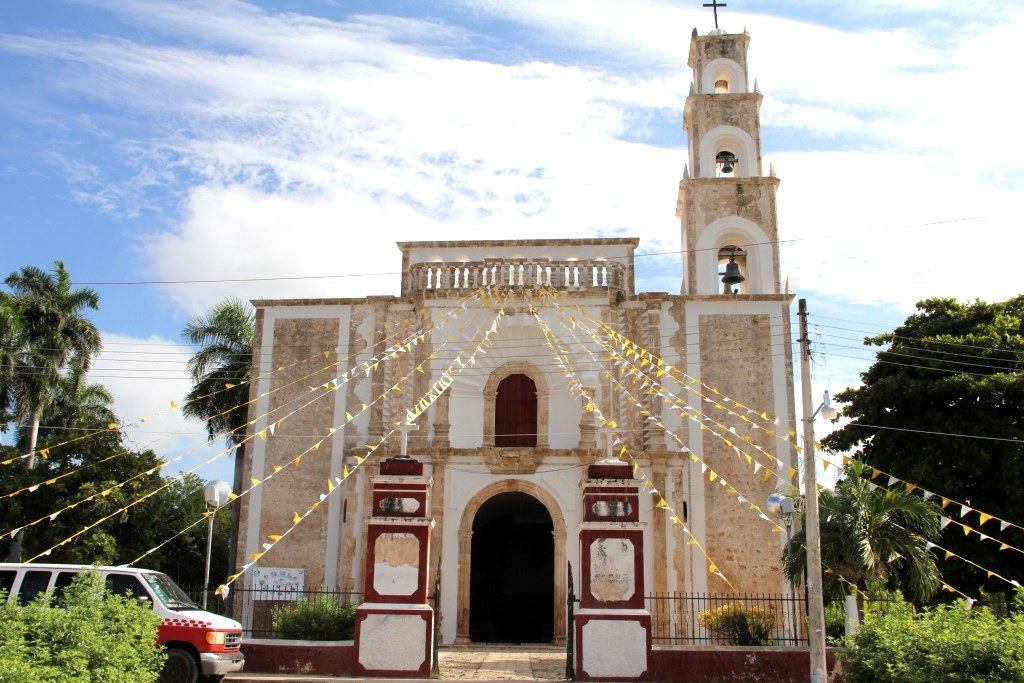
(219, 369)
(871, 534)
(53, 335)
(43, 332)
(77, 404)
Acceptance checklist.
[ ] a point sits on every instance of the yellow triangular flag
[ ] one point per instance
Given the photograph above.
(296, 518)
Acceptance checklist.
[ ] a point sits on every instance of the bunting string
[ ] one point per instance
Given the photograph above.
(706, 470)
(433, 393)
(577, 387)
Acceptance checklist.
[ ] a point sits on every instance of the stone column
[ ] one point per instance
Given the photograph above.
(465, 558)
(441, 422)
(588, 432)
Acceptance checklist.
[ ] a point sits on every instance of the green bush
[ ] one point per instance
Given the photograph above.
(320, 619)
(93, 636)
(739, 624)
(948, 643)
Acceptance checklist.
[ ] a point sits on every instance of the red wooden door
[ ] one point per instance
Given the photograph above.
(515, 412)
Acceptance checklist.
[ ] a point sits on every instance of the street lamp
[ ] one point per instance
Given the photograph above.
(217, 493)
(815, 603)
(782, 507)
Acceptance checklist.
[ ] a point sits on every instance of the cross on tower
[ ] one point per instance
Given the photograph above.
(714, 4)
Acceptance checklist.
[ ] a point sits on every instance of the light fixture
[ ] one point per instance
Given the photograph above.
(827, 410)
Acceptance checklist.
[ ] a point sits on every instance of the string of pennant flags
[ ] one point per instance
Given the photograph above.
(656, 366)
(227, 386)
(262, 434)
(254, 483)
(578, 389)
(706, 470)
(641, 365)
(423, 403)
(45, 452)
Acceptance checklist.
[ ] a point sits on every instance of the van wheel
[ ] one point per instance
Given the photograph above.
(180, 667)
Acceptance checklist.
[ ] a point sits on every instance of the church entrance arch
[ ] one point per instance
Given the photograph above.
(512, 584)
(512, 571)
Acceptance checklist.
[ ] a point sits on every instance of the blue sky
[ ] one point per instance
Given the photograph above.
(177, 141)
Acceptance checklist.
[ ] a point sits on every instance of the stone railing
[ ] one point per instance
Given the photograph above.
(442, 279)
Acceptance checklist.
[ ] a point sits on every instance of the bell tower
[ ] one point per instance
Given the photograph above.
(735, 316)
(726, 204)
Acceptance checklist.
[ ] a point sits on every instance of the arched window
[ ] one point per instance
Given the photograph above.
(515, 412)
(721, 86)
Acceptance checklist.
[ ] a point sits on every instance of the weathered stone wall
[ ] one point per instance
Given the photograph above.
(736, 359)
(299, 363)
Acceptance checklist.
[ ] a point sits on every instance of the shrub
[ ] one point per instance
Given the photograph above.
(320, 619)
(93, 636)
(948, 643)
(739, 624)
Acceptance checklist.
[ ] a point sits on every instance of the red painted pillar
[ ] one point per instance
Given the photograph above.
(613, 629)
(394, 625)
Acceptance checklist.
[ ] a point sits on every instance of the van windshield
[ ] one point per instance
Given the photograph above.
(168, 592)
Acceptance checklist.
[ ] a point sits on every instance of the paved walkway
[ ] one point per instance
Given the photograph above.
(495, 663)
(503, 663)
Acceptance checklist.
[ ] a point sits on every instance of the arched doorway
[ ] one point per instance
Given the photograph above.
(515, 412)
(512, 571)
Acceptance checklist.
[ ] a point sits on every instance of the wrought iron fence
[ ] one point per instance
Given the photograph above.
(254, 607)
(767, 619)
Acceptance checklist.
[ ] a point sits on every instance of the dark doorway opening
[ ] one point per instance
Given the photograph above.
(512, 580)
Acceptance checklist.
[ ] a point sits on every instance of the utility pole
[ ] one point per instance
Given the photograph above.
(815, 604)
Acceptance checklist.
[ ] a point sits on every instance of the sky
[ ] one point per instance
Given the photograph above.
(174, 153)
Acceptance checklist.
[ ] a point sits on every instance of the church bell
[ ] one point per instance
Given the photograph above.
(732, 274)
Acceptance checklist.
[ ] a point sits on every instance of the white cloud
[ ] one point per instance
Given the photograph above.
(305, 146)
(145, 375)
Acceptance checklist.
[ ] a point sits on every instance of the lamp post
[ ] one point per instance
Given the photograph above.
(815, 604)
(217, 493)
(782, 507)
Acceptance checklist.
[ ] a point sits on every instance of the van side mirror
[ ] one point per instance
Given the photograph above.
(142, 601)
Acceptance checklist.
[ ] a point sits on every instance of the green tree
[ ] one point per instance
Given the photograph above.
(219, 370)
(161, 519)
(949, 643)
(951, 368)
(52, 333)
(871, 535)
(93, 637)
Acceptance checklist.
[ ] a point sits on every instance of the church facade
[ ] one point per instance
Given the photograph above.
(508, 367)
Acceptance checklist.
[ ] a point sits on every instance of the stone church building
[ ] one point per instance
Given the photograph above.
(503, 432)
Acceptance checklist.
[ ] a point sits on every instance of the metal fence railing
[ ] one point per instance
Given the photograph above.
(254, 607)
(730, 619)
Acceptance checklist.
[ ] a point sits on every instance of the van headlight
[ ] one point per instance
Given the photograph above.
(215, 637)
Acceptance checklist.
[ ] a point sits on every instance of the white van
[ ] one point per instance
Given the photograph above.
(197, 642)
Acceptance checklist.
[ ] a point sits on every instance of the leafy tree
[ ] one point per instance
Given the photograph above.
(949, 643)
(72, 472)
(166, 514)
(93, 637)
(951, 368)
(52, 333)
(871, 535)
(219, 370)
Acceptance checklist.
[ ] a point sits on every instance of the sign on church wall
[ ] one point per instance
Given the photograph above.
(278, 583)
